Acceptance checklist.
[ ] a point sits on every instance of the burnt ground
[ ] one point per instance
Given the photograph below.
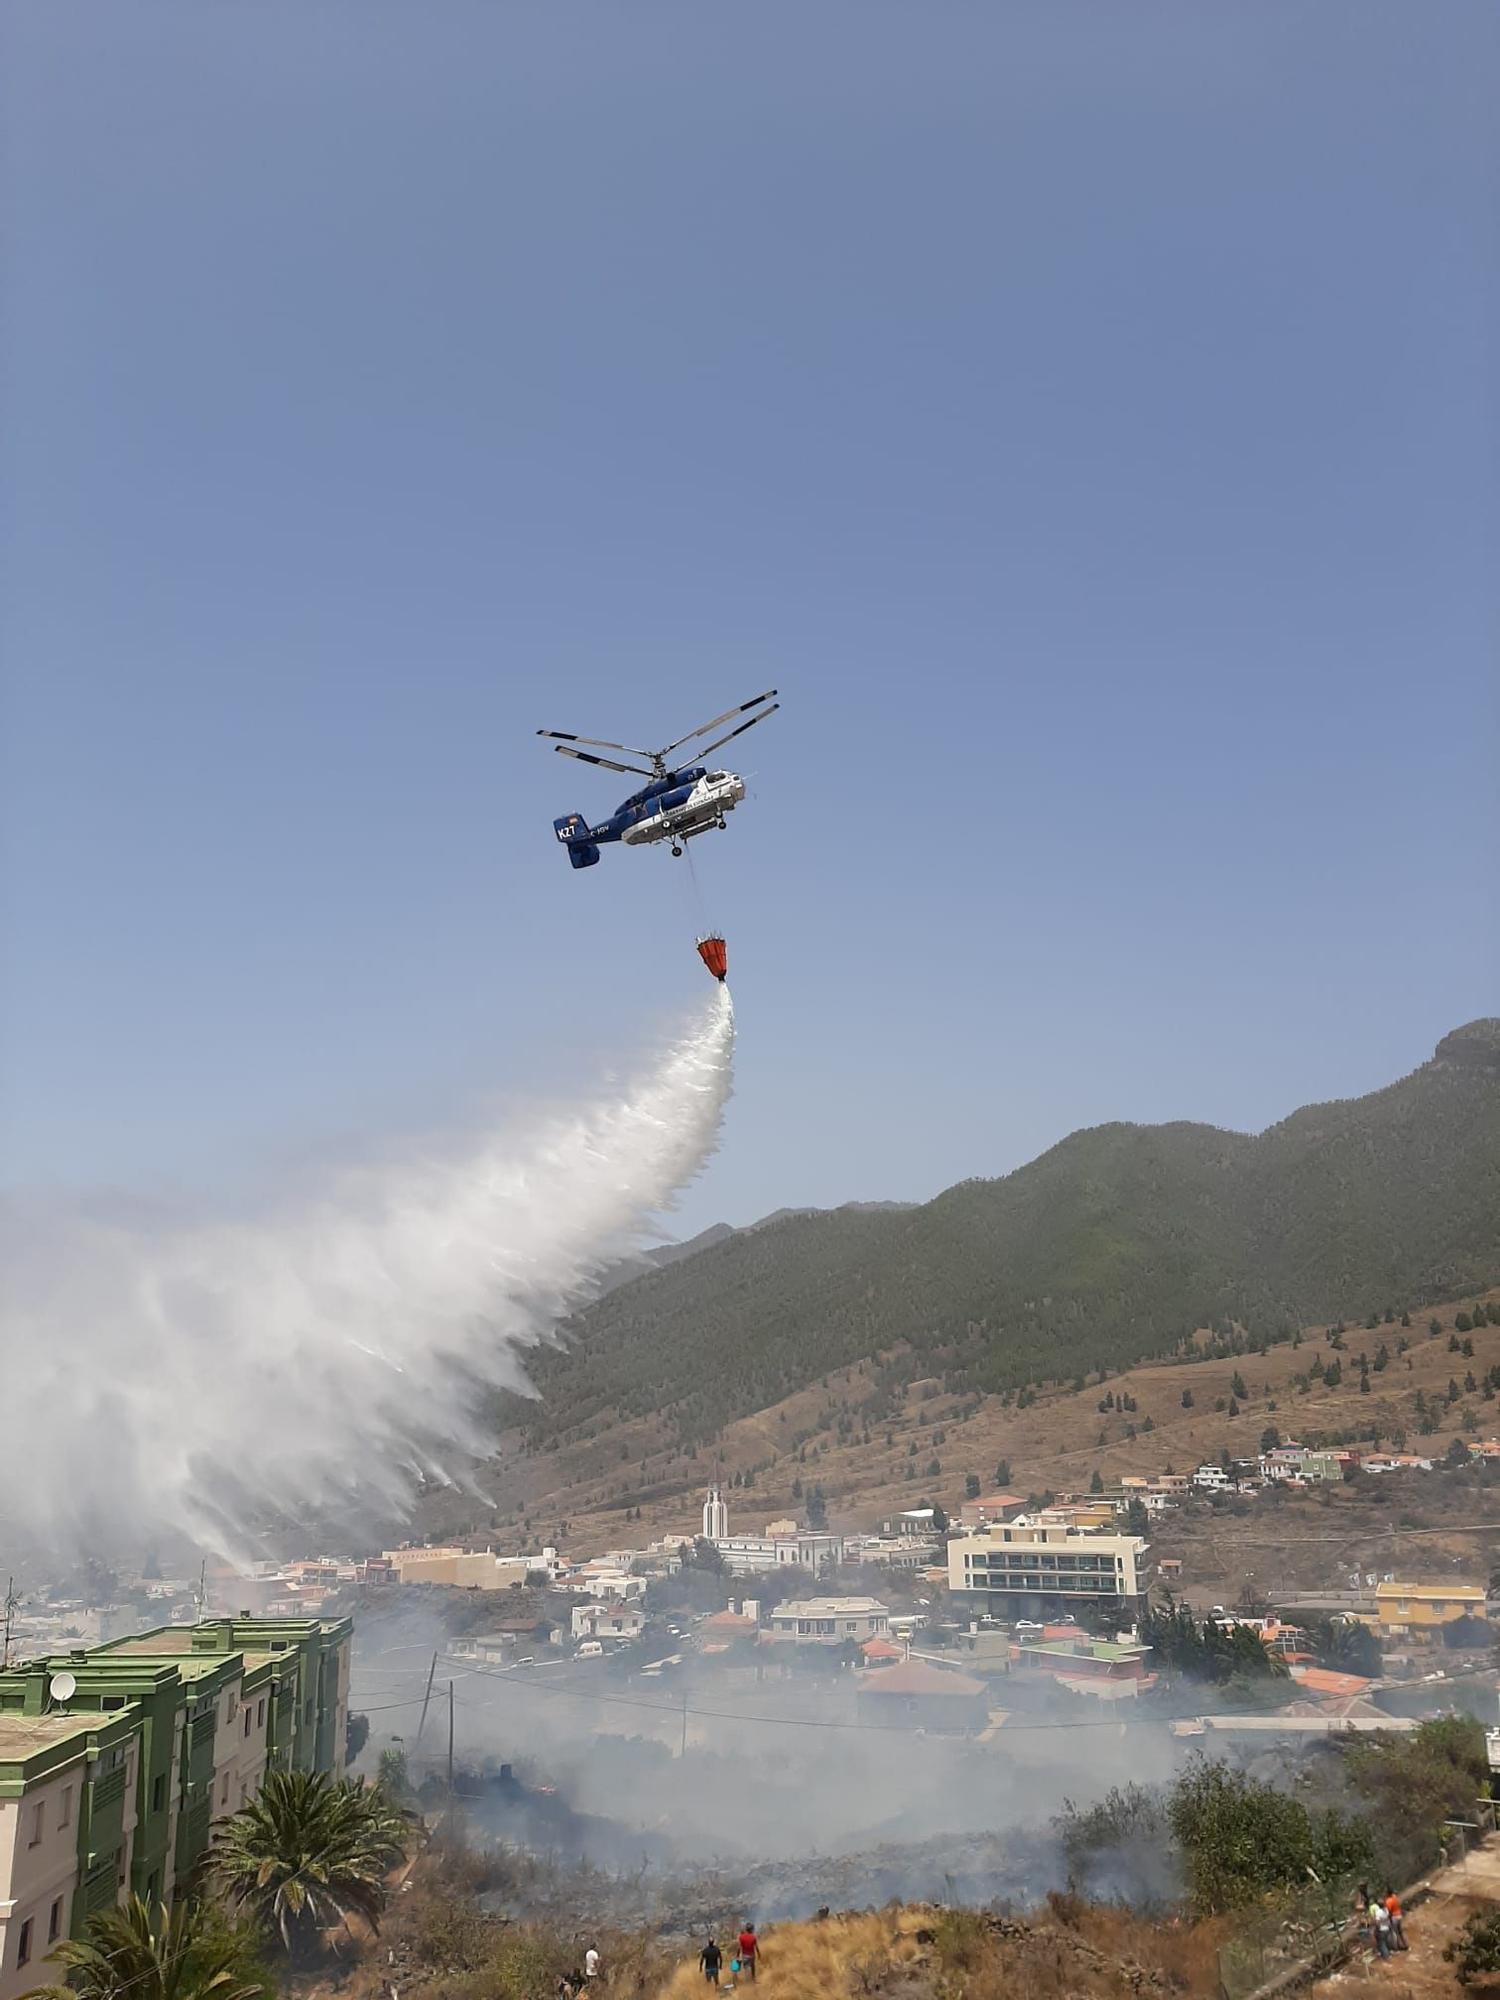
(537, 1858)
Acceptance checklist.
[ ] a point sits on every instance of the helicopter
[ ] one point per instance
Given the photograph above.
(679, 802)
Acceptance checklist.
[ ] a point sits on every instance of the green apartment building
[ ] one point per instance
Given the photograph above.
(114, 1786)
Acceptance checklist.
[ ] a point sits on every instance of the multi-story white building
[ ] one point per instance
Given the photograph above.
(753, 1555)
(715, 1516)
(1032, 1560)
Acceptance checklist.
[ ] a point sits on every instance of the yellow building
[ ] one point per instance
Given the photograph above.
(1417, 1607)
(460, 1569)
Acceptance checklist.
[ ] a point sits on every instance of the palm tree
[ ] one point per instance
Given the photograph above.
(308, 1852)
(394, 1778)
(191, 1953)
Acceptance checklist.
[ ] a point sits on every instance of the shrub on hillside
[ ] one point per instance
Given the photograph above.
(1411, 1784)
(1475, 1952)
(1242, 1839)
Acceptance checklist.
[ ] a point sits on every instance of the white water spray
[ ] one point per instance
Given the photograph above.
(193, 1376)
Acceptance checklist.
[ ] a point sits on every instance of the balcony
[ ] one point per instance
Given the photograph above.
(106, 1816)
(100, 1885)
(110, 1789)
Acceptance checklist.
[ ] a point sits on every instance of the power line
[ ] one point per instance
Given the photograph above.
(676, 1710)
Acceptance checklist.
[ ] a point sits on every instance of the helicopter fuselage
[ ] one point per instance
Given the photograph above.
(677, 807)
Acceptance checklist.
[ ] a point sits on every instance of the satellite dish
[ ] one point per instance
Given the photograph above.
(63, 1686)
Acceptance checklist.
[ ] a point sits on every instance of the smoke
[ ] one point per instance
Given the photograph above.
(192, 1375)
(715, 1778)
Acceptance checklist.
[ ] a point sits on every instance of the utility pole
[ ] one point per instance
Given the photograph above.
(683, 1751)
(11, 1602)
(202, 1604)
(427, 1697)
(450, 1746)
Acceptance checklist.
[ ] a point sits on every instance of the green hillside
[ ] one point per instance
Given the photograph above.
(1110, 1248)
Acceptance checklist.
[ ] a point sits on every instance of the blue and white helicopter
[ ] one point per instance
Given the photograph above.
(680, 802)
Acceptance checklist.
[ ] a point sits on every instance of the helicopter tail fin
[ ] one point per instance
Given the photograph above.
(573, 829)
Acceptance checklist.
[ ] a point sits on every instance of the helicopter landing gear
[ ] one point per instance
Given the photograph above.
(676, 851)
(723, 824)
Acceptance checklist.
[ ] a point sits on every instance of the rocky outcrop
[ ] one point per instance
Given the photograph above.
(1475, 1046)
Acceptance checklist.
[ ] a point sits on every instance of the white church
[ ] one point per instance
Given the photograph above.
(783, 1546)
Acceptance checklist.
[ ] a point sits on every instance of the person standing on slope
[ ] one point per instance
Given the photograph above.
(1398, 1927)
(749, 1948)
(1380, 1924)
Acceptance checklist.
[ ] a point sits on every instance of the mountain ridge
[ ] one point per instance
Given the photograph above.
(1108, 1248)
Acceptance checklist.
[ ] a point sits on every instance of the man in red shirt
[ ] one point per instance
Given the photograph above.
(749, 1949)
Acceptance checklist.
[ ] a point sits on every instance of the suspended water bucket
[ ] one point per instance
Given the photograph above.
(715, 955)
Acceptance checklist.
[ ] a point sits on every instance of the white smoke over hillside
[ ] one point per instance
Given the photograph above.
(191, 1375)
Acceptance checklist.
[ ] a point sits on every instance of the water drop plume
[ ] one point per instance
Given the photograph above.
(199, 1374)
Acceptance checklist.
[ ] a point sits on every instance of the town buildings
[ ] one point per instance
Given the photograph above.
(472, 1569)
(603, 1620)
(829, 1621)
(783, 1545)
(804, 1548)
(115, 1761)
(1031, 1563)
(894, 1551)
(916, 1695)
(990, 1507)
(1296, 1461)
(723, 1629)
(1081, 1663)
(1405, 1608)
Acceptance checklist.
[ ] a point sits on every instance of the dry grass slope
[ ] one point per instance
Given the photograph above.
(1077, 1952)
(1054, 1444)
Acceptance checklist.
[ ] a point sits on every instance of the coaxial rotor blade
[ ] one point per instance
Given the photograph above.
(708, 747)
(596, 742)
(728, 716)
(605, 763)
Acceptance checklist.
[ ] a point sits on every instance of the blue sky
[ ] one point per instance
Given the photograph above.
(1084, 414)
